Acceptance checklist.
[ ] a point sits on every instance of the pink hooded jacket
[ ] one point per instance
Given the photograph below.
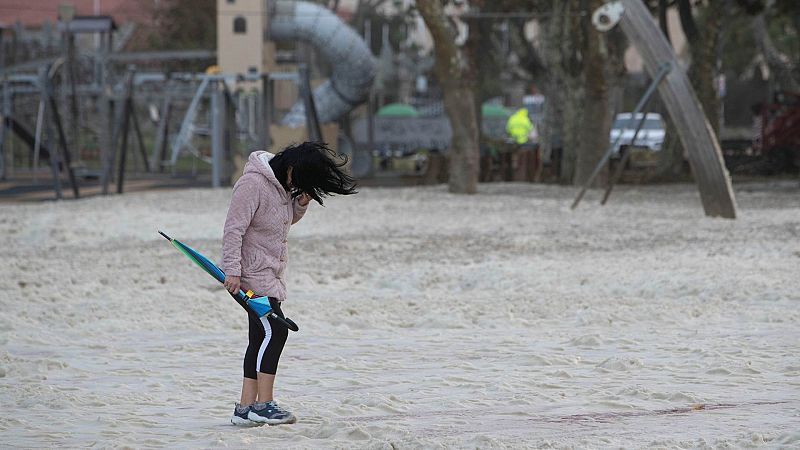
(254, 238)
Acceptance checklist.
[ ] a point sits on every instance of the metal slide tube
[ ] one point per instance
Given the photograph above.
(353, 65)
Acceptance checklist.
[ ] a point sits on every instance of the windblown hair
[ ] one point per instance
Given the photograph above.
(316, 170)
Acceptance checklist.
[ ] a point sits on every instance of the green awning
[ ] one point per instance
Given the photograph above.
(494, 110)
(398, 110)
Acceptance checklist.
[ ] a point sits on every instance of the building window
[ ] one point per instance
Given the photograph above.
(239, 25)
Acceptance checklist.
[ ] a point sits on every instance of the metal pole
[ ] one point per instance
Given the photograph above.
(37, 136)
(623, 161)
(266, 113)
(312, 119)
(3, 126)
(54, 160)
(108, 138)
(217, 131)
(231, 136)
(185, 133)
(157, 160)
(370, 130)
(138, 132)
(62, 138)
(74, 120)
(126, 121)
(665, 68)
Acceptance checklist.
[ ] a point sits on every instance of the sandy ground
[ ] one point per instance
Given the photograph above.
(500, 320)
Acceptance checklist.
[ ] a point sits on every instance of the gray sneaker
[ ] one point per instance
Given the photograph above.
(270, 413)
(239, 416)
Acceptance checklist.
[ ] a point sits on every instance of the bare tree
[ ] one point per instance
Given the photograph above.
(701, 23)
(779, 64)
(577, 58)
(182, 24)
(456, 76)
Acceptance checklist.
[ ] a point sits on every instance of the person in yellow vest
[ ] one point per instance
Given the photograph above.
(519, 126)
(523, 132)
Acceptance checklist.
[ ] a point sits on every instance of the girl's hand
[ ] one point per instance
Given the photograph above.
(303, 199)
(232, 284)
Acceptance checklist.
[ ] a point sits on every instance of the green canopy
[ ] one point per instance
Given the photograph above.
(494, 110)
(398, 110)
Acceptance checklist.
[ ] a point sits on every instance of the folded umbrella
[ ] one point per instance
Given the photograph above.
(258, 305)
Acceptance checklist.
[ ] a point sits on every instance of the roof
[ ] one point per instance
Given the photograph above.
(88, 24)
(32, 13)
(627, 115)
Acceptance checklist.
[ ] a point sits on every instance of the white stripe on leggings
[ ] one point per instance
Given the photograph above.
(264, 343)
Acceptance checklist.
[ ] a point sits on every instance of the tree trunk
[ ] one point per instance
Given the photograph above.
(703, 70)
(459, 103)
(458, 86)
(563, 89)
(596, 117)
(577, 56)
(555, 90)
(703, 40)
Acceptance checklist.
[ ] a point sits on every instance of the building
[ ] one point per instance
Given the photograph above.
(242, 46)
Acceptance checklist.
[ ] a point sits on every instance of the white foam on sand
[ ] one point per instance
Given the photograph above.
(499, 320)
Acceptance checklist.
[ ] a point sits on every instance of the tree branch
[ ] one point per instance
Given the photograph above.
(687, 20)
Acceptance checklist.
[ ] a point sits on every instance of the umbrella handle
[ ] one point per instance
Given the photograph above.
(288, 323)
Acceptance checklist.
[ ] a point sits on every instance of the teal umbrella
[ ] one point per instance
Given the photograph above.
(258, 305)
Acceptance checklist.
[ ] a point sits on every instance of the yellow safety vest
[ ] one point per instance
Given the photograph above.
(519, 126)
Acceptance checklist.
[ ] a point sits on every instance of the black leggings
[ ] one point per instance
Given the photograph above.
(266, 341)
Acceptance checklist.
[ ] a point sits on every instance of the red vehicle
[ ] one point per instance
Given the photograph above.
(779, 139)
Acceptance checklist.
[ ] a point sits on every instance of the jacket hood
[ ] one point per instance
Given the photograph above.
(258, 162)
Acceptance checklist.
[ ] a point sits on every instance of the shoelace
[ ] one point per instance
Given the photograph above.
(277, 408)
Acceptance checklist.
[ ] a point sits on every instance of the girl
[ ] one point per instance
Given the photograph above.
(273, 193)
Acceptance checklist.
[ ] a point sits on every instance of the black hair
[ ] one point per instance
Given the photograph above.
(316, 171)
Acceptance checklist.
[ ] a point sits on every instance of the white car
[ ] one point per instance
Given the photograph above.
(650, 137)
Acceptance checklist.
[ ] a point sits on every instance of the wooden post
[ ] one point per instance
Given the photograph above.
(108, 138)
(370, 134)
(123, 149)
(54, 160)
(126, 120)
(138, 132)
(162, 132)
(40, 121)
(62, 138)
(680, 100)
(72, 75)
(4, 172)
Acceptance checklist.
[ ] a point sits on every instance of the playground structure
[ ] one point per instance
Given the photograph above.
(236, 110)
(79, 112)
(680, 101)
